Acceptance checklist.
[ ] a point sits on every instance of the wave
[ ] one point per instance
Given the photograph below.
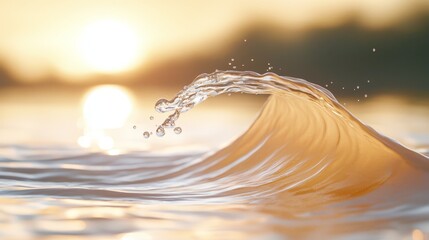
(303, 146)
(305, 149)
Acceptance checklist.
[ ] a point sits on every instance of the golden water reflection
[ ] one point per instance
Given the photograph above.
(418, 235)
(104, 107)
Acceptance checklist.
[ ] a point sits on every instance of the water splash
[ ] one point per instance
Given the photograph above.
(285, 91)
(220, 82)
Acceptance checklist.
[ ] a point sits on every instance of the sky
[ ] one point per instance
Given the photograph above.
(70, 40)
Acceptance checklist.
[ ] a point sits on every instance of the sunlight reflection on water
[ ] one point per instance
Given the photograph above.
(104, 107)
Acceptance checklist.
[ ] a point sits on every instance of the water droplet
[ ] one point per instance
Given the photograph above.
(162, 105)
(245, 40)
(151, 117)
(146, 134)
(242, 65)
(368, 81)
(326, 85)
(366, 95)
(232, 59)
(252, 59)
(357, 87)
(234, 67)
(373, 50)
(343, 88)
(134, 126)
(269, 63)
(177, 130)
(160, 131)
(358, 100)
(229, 64)
(332, 82)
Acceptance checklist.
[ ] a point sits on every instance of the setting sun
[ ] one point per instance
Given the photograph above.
(109, 46)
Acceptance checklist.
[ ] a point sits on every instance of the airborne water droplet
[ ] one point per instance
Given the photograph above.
(160, 131)
(366, 95)
(177, 130)
(146, 134)
(151, 117)
(134, 127)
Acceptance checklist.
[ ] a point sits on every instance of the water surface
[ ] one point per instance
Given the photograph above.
(306, 168)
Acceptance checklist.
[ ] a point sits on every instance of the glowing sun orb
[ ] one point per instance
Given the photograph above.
(106, 107)
(109, 46)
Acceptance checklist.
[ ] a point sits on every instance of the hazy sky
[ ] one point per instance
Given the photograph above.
(68, 38)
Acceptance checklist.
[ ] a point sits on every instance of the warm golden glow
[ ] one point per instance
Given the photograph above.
(109, 46)
(70, 39)
(136, 236)
(104, 107)
(418, 234)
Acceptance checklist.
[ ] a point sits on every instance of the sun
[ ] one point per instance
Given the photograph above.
(109, 46)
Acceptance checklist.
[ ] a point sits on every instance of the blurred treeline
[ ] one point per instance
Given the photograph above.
(341, 54)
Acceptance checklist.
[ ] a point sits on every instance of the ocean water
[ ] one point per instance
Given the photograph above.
(306, 168)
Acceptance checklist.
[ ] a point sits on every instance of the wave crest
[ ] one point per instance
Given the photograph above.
(304, 143)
